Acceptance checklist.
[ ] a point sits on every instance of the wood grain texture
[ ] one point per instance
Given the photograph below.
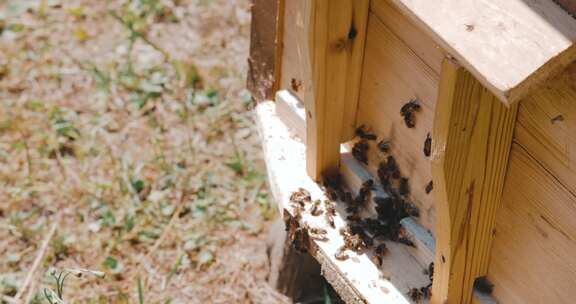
(472, 138)
(546, 127)
(509, 46)
(393, 75)
(263, 49)
(293, 52)
(535, 231)
(333, 65)
(344, 31)
(415, 38)
(533, 257)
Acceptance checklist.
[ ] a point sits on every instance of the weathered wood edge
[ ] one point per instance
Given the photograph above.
(264, 49)
(472, 140)
(425, 14)
(333, 52)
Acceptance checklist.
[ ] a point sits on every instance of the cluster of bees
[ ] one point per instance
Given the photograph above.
(361, 233)
(419, 294)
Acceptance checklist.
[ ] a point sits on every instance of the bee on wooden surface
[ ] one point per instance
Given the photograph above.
(384, 146)
(429, 187)
(316, 210)
(295, 84)
(341, 254)
(297, 210)
(301, 197)
(348, 198)
(482, 285)
(410, 209)
(428, 145)
(426, 291)
(403, 188)
(415, 295)
(361, 132)
(407, 111)
(406, 241)
(318, 234)
(330, 213)
(392, 167)
(317, 230)
(430, 271)
(381, 250)
(384, 176)
(353, 218)
(360, 151)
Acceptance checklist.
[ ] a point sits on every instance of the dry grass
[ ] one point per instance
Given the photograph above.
(125, 125)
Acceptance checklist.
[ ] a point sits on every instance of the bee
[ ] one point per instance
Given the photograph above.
(381, 250)
(426, 291)
(316, 230)
(415, 295)
(360, 151)
(341, 254)
(482, 285)
(384, 146)
(318, 234)
(429, 187)
(295, 84)
(404, 188)
(406, 241)
(330, 213)
(364, 134)
(428, 145)
(298, 209)
(301, 197)
(316, 211)
(407, 111)
(392, 167)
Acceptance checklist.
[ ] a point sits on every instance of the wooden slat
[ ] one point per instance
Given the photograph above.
(546, 127)
(263, 49)
(335, 40)
(509, 46)
(534, 236)
(393, 75)
(472, 138)
(293, 53)
(358, 279)
(415, 38)
(533, 257)
(535, 229)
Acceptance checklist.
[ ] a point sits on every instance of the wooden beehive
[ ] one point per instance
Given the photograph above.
(496, 82)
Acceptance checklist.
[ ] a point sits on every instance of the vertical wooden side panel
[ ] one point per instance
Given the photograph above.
(333, 68)
(264, 49)
(472, 139)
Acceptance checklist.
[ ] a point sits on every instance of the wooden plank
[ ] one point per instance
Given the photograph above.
(292, 113)
(393, 75)
(293, 52)
(533, 257)
(358, 279)
(334, 48)
(472, 138)
(415, 38)
(546, 127)
(509, 46)
(263, 49)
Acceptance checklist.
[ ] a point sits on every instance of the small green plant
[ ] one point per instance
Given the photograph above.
(56, 297)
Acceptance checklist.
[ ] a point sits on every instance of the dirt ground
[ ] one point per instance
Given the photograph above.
(128, 154)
